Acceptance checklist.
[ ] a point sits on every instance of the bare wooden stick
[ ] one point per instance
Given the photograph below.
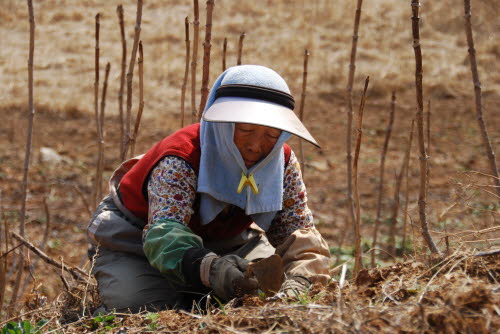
(352, 70)
(477, 93)
(3, 259)
(42, 244)
(407, 187)
(206, 57)
(100, 161)
(194, 60)
(388, 131)
(140, 62)
(301, 110)
(95, 191)
(240, 48)
(130, 75)
(31, 117)
(119, 11)
(357, 226)
(186, 72)
(428, 140)
(77, 273)
(224, 50)
(415, 5)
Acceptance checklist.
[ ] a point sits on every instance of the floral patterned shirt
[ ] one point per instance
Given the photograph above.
(172, 192)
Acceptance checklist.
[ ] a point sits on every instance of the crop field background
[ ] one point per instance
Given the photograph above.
(411, 292)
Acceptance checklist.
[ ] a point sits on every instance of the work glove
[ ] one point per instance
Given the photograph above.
(227, 277)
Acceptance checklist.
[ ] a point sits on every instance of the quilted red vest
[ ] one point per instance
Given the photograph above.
(184, 144)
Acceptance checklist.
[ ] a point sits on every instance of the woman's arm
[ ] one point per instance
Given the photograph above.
(167, 238)
(292, 232)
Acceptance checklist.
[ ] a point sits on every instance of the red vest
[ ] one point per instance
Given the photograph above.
(184, 144)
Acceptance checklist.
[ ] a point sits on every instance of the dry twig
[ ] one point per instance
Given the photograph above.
(224, 50)
(357, 226)
(77, 273)
(477, 93)
(407, 187)
(3, 259)
(415, 4)
(194, 60)
(140, 62)
(119, 12)
(95, 192)
(100, 160)
(352, 69)
(186, 71)
(301, 110)
(130, 74)
(31, 117)
(206, 58)
(240, 48)
(388, 132)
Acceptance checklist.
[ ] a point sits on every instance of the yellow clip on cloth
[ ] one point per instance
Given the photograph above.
(247, 181)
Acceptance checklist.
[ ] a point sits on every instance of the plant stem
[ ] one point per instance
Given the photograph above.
(301, 109)
(357, 226)
(352, 70)
(100, 161)
(186, 72)
(194, 61)
(130, 74)
(407, 188)
(240, 48)
(477, 93)
(206, 57)
(420, 128)
(119, 11)
(388, 131)
(224, 50)
(140, 62)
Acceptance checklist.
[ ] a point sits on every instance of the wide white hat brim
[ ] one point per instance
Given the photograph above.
(260, 112)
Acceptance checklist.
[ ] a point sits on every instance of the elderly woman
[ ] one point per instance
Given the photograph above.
(187, 217)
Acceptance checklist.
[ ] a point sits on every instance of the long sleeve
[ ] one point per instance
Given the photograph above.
(292, 232)
(171, 195)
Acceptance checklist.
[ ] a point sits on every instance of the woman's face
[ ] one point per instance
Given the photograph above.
(254, 142)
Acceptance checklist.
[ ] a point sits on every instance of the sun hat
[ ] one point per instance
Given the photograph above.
(257, 95)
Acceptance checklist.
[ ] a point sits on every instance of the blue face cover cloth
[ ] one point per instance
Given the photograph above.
(221, 164)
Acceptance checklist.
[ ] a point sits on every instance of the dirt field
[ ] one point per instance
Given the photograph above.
(463, 214)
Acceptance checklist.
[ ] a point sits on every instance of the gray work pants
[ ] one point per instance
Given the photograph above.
(127, 282)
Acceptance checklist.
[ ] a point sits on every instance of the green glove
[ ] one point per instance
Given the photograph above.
(227, 277)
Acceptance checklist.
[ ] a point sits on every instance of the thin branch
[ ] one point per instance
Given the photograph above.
(77, 273)
(100, 156)
(206, 57)
(477, 93)
(301, 109)
(140, 62)
(95, 191)
(130, 75)
(240, 48)
(420, 128)
(84, 200)
(388, 131)
(3, 259)
(352, 69)
(194, 60)
(186, 72)
(357, 226)
(224, 51)
(31, 117)
(407, 186)
(119, 12)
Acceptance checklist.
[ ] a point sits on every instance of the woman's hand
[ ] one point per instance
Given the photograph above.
(228, 279)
